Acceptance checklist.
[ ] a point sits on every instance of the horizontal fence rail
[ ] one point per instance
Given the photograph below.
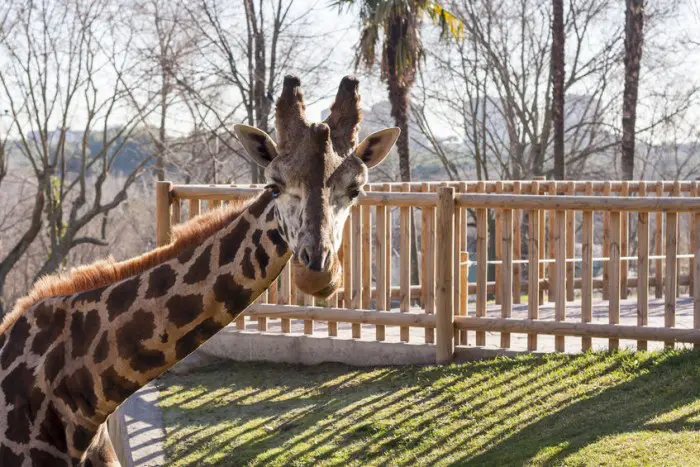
(547, 262)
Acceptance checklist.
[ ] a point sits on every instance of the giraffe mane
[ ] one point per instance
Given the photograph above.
(108, 271)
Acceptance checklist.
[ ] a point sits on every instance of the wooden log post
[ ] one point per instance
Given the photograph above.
(164, 227)
(606, 244)
(444, 287)
(366, 256)
(696, 273)
(463, 281)
(560, 274)
(175, 208)
(642, 268)
(381, 246)
(614, 275)
(517, 247)
(694, 192)
(570, 245)
(498, 234)
(507, 271)
(624, 245)
(482, 268)
(551, 247)
(356, 287)
(459, 212)
(405, 263)
(671, 272)
(659, 246)
(285, 297)
(587, 268)
(542, 242)
(194, 208)
(533, 269)
(429, 261)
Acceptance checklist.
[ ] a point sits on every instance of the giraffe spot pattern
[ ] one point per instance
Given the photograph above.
(258, 207)
(186, 254)
(257, 235)
(52, 429)
(183, 309)
(83, 330)
(89, 296)
(17, 386)
(270, 215)
(232, 241)
(8, 458)
(131, 335)
(189, 342)
(101, 349)
(115, 387)
(15, 344)
(200, 268)
(78, 391)
(160, 281)
(234, 296)
(147, 359)
(280, 245)
(263, 259)
(247, 267)
(122, 297)
(82, 437)
(51, 322)
(55, 361)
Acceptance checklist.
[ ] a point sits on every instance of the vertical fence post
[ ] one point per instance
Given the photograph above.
(570, 245)
(429, 260)
(642, 267)
(541, 242)
(624, 244)
(194, 208)
(606, 243)
(444, 287)
(482, 267)
(533, 268)
(356, 285)
(614, 275)
(517, 246)
(405, 262)
(164, 226)
(587, 268)
(506, 271)
(381, 246)
(696, 275)
(659, 246)
(671, 269)
(559, 275)
(693, 241)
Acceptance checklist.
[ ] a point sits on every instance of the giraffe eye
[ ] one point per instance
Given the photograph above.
(274, 189)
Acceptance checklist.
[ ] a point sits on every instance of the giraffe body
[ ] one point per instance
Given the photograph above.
(78, 346)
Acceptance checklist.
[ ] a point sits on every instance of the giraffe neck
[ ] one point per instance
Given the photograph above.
(70, 361)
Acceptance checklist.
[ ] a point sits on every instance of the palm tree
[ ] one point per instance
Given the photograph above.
(392, 28)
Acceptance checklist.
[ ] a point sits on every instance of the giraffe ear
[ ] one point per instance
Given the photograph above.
(376, 146)
(257, 144)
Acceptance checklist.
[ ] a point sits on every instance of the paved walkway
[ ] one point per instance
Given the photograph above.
(628, 315)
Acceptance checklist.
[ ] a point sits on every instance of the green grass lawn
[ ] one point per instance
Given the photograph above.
(590, 409)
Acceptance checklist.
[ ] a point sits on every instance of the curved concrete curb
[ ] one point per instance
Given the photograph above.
(137, 431)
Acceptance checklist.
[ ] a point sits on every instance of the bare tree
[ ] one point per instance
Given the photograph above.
(634, 41)
(250, 60)
(68, 65)
(558, 74)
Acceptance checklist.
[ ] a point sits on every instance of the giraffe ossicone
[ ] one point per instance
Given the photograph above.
(81, 343)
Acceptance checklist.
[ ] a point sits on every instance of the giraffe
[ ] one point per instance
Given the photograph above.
(81, 343)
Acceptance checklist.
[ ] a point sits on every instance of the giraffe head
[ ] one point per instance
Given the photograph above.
(316, 172)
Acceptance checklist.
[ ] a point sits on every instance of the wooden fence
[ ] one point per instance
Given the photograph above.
(526, 237)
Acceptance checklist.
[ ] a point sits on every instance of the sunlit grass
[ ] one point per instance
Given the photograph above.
(591, 409)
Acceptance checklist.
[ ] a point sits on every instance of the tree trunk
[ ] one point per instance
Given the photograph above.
(558, 38)
(634, 39)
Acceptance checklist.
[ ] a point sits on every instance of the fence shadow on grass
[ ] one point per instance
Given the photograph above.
(278, 414)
